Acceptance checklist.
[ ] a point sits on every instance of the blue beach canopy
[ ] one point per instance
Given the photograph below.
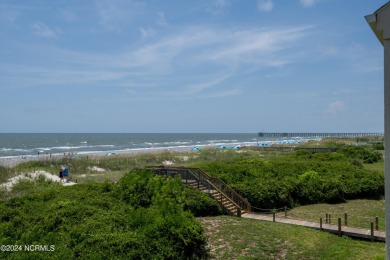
(222, 147)
(195, 148)
(108, 154)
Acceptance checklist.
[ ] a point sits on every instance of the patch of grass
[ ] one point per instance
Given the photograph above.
(98, 177)
(28, 186)
(378, 166)
(5, 173)
(239, 238)
(360, 212)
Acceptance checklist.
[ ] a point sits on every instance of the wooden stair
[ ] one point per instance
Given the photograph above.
(231, 202)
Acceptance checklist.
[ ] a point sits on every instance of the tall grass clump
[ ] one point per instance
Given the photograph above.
(5, 173)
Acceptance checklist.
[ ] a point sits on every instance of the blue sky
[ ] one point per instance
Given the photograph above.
(190, 66)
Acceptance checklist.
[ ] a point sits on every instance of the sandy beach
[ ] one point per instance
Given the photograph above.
(12, 161)
(15, 160)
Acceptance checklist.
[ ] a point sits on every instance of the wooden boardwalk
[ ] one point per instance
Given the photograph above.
(236, 205)
(348, 231)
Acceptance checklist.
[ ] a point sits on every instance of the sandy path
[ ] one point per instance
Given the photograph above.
(32, 176)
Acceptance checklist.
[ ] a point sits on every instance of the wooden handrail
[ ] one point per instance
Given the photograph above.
(216, 183)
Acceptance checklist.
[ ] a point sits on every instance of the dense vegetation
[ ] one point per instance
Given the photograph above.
(145, 216)
(142, 216)
(300, 177)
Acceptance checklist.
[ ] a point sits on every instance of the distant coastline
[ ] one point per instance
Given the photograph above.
(17, 148)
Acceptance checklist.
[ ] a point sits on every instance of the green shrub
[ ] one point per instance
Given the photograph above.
(378, 146)
(364, 153)
(298, 178)
(100, 221)
(200, 204)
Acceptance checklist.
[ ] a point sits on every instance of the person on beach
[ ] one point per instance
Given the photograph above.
(65, 173)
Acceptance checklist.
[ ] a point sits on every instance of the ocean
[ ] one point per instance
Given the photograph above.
(16, 145)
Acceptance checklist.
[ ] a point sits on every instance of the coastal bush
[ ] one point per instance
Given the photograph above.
(364, 153)
(104, 220)
(142, 188)
(298, 178)
(378, 146)
(200, 204)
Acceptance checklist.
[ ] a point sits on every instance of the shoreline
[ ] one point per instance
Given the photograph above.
(14, 160)
(11, 161)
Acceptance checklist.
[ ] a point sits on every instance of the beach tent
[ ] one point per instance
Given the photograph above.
(236, 147)
(222, 147)
(109, 154)
(195, 148)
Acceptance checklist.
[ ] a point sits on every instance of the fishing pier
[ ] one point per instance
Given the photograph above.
(320, 135)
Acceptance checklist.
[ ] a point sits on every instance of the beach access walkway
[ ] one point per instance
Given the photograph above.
(369, 234)
(235, 205)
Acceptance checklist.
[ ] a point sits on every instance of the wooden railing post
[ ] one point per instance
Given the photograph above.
(285, 211)
(372, 231)
(339, 226)
(273, 215)
(239, 212)
(327, 218)
(346, 219)
(330, 219)
(320, 223)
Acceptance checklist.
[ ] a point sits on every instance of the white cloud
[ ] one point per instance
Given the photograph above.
(147, 32)
(215, 54)
(43, 30)
(335, 108)
(307, 3)
(217, 7)
(265, 5)
(161, 20)
(255, 46)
